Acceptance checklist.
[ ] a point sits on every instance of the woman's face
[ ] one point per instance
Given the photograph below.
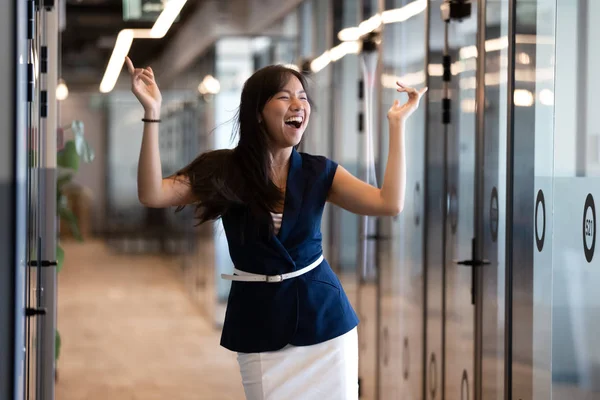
(286, 114)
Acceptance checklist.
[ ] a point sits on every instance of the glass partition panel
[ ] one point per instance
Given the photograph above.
(401, 254)
(494, 192)
(576, 267)
(539, 62)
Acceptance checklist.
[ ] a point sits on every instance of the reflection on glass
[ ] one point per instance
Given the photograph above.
(494, 159)
(434, 200)
(459, 378)
(345, 108)
(401, 257)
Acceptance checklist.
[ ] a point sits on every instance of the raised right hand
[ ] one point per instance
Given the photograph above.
(400, 112)
(144, 87)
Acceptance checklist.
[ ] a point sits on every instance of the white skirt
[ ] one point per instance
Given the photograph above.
(327, 370)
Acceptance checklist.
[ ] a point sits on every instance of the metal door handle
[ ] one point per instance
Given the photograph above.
(30, 312)
(472, 263)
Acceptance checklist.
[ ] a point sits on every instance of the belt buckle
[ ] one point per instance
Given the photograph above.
(274, 278)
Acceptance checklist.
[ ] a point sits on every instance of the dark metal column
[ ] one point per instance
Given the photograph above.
(478, 248)
(510, 139)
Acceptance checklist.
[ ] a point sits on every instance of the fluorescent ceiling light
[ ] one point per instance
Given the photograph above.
(349, 34)
(334, 54)
(344, 48)
(320, 62)
(166, 18)
(122, 46)
(523, 98)
(403, 13)
(387, 17)
(369, 25)
(501, 43)
(125, 39)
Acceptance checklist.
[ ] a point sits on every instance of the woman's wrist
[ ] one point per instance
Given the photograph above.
(152, 113)
(396, 126)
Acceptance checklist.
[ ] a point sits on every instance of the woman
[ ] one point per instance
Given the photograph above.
(287, 317)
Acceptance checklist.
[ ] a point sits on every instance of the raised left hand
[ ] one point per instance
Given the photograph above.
(400, 112)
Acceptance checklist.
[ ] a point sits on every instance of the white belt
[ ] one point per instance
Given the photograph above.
(244, 276)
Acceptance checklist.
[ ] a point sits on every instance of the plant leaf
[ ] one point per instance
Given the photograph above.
(68, 215)
(61, 182)
(68, 157)
(60, 258)
(57, 343)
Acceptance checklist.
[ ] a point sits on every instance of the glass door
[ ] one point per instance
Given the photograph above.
(460, 133)
(466, 214)
(435, 213)
(400, 250)
(35, 149)
(41, 337)
(492, 147)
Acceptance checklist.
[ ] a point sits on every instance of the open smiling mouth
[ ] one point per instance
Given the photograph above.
(295, 122)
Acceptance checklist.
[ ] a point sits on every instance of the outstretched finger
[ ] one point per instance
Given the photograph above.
(408, 90)
(129, 64)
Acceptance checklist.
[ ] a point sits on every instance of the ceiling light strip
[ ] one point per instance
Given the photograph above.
(350, 36)
(125, 39)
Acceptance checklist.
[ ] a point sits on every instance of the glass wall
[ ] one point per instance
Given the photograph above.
(279, 45)
(555, 355)
(401, 266)
(346, 107)
(576, 272)
(434, 209)
(318, 138)
(493, 229)
(536, 60)
(234, 63)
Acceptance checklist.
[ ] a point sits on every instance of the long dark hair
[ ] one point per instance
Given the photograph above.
(221, 179)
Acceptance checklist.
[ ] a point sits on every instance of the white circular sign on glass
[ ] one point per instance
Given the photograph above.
(494, 214)
(589, 228)
(540, 220)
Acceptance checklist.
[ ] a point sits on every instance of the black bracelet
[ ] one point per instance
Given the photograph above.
(150, 120)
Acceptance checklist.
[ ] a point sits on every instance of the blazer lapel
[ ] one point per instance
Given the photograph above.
(293, 196)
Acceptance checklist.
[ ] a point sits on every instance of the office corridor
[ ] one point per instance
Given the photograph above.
(130, 332)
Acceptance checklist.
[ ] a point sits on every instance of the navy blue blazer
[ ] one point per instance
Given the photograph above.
(305, 310)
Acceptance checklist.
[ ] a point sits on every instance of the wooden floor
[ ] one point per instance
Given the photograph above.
(130, 332)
